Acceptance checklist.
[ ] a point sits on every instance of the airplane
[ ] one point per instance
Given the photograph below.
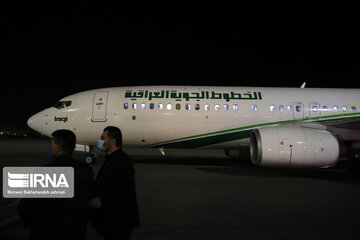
(280, 127)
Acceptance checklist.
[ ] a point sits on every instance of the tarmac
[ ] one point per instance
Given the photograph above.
(202, 194)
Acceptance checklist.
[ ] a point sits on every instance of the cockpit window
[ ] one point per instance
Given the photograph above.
(62, 104)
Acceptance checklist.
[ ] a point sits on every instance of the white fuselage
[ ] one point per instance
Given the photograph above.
(191, 116)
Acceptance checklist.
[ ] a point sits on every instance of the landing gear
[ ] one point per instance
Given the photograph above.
(91, 157)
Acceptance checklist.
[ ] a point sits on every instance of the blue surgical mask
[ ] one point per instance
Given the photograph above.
(101, 146)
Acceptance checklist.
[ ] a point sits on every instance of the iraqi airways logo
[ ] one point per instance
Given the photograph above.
(179, 96)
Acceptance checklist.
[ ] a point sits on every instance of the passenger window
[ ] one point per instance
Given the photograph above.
(126, 105)
(235, 107)
(254, 108)
(226, 107)
(161, 106)
(344, 109)
(207, 107)
(353, 109)
(298, 108)
(325, 108)
(187, 106)
(178, 106)
(217, 107)
(151, 106)
(335, 108)
(169, 106)
(314, 108)
(197, 107)
(281, 108)
(62, 104)
(143, 106)
(272, 108)
(289, 108)
(134, 106)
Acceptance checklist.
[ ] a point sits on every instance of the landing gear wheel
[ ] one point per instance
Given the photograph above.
(89, 159)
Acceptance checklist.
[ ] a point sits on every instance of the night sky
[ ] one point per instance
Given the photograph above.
(55, 51)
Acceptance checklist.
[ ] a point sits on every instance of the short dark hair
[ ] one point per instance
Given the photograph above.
(66, 139)
(114, 133)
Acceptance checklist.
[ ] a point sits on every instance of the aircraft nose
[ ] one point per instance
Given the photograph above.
(34, 122)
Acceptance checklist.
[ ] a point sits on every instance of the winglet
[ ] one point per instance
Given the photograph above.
(303, 85)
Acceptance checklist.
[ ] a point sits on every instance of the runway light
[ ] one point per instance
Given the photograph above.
(1, 133)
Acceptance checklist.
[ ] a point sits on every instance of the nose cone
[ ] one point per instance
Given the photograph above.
(35, 123)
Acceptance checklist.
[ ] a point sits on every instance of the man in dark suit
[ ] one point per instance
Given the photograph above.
(115, 205)
(61, 218)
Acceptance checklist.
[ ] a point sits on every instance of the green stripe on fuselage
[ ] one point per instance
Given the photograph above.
(240, 133)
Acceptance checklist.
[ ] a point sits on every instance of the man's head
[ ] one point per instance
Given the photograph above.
(112, 138)
(63, 142)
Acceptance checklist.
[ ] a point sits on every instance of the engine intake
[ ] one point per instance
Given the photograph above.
(286, 146)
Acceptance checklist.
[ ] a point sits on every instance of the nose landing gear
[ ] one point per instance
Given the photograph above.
(91, 157)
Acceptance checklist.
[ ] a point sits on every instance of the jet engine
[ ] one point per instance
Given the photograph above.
(289, 146)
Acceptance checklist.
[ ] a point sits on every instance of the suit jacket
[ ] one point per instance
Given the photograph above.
(115, 185)
(60, 218)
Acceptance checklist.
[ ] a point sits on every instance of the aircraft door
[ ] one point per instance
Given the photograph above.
(314, 109)
(99, 106)
(298, 111)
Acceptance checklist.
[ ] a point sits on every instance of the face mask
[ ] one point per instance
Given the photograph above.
(101, 145)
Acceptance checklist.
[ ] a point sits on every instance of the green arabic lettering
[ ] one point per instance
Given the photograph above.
(175, 95)
(156, 95)
(197, 95)
(226, 97)
(131, 94)
(128, 94)
(215, 95)
(186, 96)
(235, 96)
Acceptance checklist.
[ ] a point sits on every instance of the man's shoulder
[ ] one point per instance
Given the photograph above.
(120, 159)
(119, 154)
